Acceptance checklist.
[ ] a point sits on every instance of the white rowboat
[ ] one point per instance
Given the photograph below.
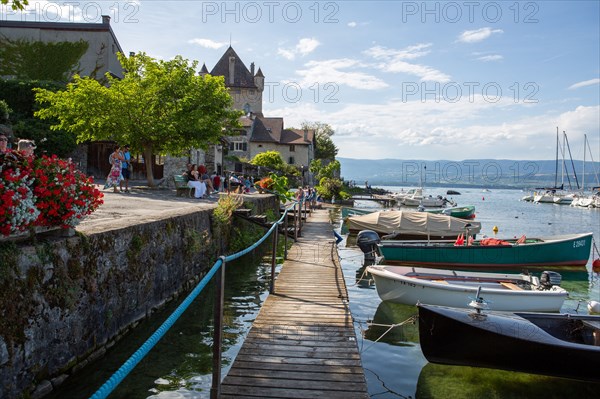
(503, 292)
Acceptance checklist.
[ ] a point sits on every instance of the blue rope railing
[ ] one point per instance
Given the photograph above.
(119, 375)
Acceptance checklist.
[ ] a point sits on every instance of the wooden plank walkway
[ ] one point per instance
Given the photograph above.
(302, 343)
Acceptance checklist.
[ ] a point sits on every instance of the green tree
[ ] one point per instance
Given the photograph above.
(269, 159)
(25, 59)
(330, 171)
(19, 96)
(16, 4)
(5, 112)
(324, 146)
(159, 107)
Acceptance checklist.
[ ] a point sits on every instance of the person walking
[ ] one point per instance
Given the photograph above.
(114, 176)
(125, 169)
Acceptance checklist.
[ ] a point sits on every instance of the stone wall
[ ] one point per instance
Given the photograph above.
(65, 301)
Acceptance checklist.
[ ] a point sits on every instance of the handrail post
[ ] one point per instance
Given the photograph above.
(295, 222)
(300, 217)
(285, 235)
(273, 259)
(215, 390)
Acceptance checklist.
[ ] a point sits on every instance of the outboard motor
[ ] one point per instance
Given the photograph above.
(367, 241)
(548, 279)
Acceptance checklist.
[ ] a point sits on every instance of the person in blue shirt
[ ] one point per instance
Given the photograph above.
(126, 169)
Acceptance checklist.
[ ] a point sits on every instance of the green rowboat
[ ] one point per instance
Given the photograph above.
(463, 212)
(561, 251)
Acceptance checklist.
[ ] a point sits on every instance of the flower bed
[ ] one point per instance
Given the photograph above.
(46, 191)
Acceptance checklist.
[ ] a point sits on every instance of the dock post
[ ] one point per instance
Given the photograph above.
(295, 223)
(215, 390)
(273, 260)
(285, 236)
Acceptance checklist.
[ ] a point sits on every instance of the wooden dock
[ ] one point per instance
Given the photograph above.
(302, 343)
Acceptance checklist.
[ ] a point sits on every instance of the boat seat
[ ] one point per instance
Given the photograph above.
(592, 323)
(511, 286)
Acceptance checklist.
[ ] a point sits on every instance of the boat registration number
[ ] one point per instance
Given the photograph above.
(578, 243)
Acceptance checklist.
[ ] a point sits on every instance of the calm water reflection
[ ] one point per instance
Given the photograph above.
(180, 365)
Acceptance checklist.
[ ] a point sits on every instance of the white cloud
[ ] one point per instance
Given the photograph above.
(352, 24)
(585, 83)
(442, 130)
(489, 58)
(207, 43)
(478, 35)
(395, 61)
(333, 72)
(305, 46)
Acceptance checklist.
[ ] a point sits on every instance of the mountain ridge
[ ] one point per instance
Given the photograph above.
(469, 172)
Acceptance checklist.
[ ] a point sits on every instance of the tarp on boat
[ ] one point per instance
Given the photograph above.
(412, 223)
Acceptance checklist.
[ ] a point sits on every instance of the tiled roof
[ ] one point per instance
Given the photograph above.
(241, 75)
(270, 130)
(267, 130)
(296, 136)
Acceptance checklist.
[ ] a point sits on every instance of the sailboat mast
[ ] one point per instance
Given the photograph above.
(572, 163)
(584, 148)
(556, 164)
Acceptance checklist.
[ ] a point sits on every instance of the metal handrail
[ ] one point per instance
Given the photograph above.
(119, 375)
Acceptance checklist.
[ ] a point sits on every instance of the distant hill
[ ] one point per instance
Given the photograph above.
(467, 173)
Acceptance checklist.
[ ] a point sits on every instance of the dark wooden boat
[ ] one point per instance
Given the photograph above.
(560, 345)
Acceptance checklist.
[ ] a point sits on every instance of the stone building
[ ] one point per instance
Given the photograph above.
(99, 58)
(103, 46)
(259, 133)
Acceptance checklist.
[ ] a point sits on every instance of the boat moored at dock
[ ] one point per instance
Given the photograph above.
(572, 250)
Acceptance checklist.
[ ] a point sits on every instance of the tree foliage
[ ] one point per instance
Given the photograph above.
(331, 170)
(5, 112)
(324, 146)
(19, 96)
(16, 4)
(268, 159)
(159, 107)
(26, 59)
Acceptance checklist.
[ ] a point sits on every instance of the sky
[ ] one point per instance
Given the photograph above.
(395, 79)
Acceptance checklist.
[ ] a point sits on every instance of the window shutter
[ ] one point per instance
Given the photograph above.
(245, 146)
(231, 146)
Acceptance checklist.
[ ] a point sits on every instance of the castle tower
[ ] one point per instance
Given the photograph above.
(245, 87)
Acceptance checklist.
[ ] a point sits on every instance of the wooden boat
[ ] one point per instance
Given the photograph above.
(561, 345)
(411, 225)
(571, 250)
(510, 292)
(462, 212)
(346, 211)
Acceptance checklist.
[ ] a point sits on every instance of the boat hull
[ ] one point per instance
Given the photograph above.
(563, 251)
(509, 341)
(398, 288)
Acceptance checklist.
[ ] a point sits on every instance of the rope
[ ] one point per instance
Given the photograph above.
(411, 319)
(143, 350)
(361, 278)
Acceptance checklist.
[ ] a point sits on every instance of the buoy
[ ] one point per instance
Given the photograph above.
(495, 229)
(596, 266)
(594, 307)
(483, 198)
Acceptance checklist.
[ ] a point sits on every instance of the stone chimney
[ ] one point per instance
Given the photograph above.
(252, 68)
(231, 70)
(105, 20)
(305, 134)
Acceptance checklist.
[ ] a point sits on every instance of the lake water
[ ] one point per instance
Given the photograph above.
(393, 362)
(180, 364)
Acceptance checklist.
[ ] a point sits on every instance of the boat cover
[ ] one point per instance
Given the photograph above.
(411, 223)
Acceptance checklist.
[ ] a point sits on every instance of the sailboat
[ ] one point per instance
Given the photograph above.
(592, 200)
(556, 194)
